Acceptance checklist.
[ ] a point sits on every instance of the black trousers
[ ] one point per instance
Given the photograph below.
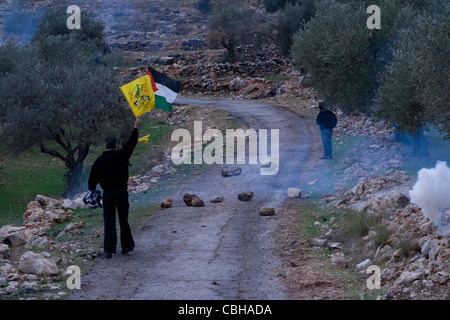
(112, 200)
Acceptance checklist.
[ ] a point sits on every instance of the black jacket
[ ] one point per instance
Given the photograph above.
(326, 119)
(111, 168)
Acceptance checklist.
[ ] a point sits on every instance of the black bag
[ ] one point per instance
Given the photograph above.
(333, 120)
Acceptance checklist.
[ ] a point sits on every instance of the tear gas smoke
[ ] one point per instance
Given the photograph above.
(432, 191)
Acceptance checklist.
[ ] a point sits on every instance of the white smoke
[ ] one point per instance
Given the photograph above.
(432, 191)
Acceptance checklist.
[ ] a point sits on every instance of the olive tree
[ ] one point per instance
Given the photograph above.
(232, 26)
(415, 87)
(56, 95)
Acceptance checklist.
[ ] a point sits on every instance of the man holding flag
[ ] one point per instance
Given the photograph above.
(111, 171)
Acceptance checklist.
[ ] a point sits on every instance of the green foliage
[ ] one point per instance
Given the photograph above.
(55, 91)
(204, 6)
(333, 48)
(414, 89)
(290, 20)
(235, 25)
(273, 5)
(399, 71)
(54, 23)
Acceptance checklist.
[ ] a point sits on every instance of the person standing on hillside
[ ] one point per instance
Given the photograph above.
(111, 171)
(327, 121)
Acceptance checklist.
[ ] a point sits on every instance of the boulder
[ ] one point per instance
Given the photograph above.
(27, 261)
(236, 84)
(48, 202)
(217, 199)
(166, 203)
(197, 202)
(265, 211)
(245, 195)
(233, 172)
(192, 200)
(166, 60)
(363, 265)
(294, 193)
(12, 235)
(316, 242)
(36, 263)
(45, 267)
(408, 277)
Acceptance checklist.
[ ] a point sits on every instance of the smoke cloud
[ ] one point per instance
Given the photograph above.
(432, 191)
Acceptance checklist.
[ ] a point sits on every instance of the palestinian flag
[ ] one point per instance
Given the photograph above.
(164, 88)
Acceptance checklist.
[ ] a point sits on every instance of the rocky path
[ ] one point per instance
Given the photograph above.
(223, 250)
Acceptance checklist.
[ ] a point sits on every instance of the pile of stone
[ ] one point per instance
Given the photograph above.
(272, 67)
(21, 267)
(413, 253)
(44, 212)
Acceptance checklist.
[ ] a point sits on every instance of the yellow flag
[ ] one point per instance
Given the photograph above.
(139, 95)
(144, 139)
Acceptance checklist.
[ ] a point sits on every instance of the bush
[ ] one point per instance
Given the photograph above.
(204, 6)
(333, 47)
(234, 25)
(414, 88)
(345, 58)
(273, 5)
(54, 23)
(290, 20)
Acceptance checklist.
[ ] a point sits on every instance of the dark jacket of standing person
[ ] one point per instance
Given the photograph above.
(327, 121)
(110, 170)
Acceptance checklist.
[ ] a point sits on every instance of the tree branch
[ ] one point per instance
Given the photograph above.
(53, 153)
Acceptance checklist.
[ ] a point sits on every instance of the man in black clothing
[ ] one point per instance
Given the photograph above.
(111, 171)
(327, 121)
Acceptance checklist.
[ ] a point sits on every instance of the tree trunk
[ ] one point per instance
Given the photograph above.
(74, 166)
(74, 171)
(73, 176)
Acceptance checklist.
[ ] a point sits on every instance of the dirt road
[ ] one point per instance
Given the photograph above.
(221, 251)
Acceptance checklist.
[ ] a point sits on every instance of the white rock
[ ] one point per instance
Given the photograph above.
(45, 267)
(294, 193)
(37, 264)
(363, 265)
(27, 261)
(317, 242)
(408, 277)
